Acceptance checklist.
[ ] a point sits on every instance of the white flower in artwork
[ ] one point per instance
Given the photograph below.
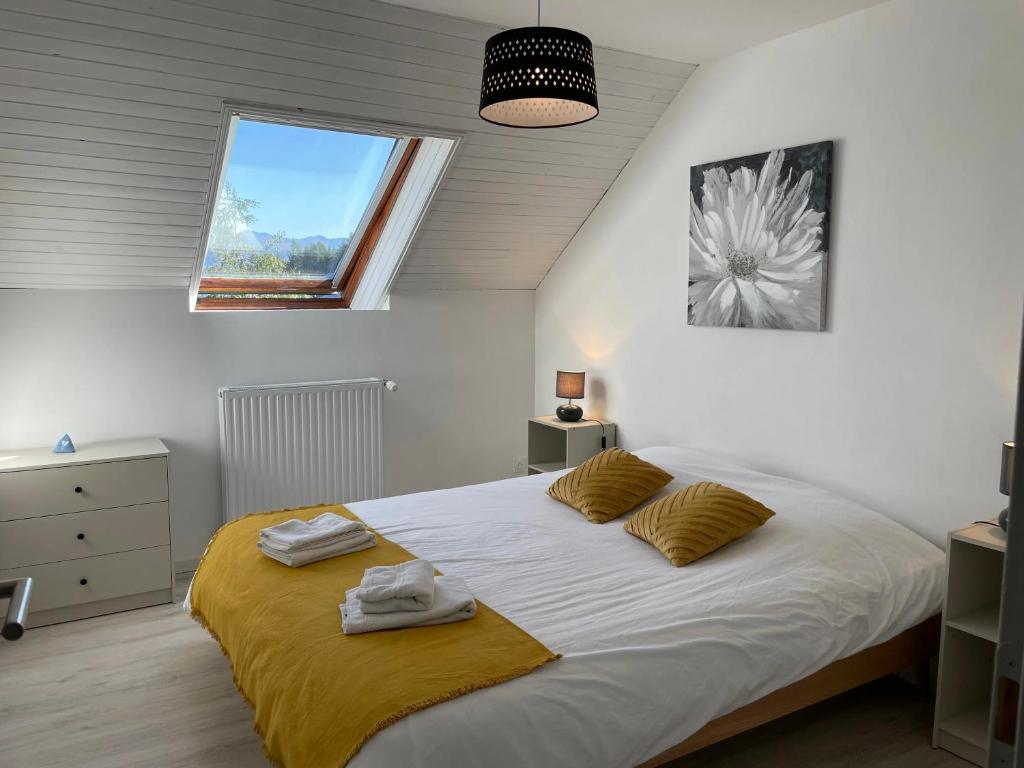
(756, 256)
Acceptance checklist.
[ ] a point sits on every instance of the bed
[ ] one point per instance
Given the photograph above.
(658, 661)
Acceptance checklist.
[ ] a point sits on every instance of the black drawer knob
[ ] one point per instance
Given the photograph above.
(80, 536)
(78, 489)
(83, 582)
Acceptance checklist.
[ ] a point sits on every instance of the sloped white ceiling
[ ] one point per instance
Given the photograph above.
(109, 113)
(680, 30)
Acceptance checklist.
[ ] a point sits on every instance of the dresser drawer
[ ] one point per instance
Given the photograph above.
(82, 534)
(56, 585)
(56, 490)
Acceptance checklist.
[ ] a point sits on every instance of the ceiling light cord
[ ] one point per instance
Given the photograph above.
(538, 13)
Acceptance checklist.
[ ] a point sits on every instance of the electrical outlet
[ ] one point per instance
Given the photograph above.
(519, 465)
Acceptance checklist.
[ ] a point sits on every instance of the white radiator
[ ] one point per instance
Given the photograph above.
(293, 445)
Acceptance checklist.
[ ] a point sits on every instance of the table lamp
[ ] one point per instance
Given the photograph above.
(1006, 480)
(569, 384)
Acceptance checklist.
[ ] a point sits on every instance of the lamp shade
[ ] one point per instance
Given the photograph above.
(1006, 471)
(569, 384)
(538, 77)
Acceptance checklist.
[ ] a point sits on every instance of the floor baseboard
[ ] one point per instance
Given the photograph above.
(186, 566)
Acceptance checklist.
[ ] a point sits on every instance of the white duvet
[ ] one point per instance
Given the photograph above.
(650, 652)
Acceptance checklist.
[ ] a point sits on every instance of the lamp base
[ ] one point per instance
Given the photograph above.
(1004, 518)
(569, 412)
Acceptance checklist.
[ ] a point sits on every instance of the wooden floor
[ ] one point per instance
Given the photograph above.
(150, 688)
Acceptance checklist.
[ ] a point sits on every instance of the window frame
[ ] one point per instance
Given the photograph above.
(342, 286)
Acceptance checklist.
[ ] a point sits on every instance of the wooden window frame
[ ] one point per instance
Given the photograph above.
(316, 294)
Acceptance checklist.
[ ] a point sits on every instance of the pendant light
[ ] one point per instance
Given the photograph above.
(538, 77)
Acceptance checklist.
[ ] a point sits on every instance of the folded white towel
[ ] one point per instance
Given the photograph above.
(452, 602)
(295, 535)
(407, 586)
(364, 540)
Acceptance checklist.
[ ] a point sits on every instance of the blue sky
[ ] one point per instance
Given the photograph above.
(307, 181)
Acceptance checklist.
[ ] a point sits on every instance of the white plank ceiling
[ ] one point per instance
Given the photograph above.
(109, 112)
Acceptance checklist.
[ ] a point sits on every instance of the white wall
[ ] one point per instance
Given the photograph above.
(109, 364)
(904, 402)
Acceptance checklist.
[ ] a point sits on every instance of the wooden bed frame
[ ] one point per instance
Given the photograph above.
(916, 645)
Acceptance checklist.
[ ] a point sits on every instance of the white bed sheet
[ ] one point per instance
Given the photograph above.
(650, 652)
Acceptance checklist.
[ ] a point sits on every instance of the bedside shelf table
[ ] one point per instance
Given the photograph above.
(553, 444)
(970, 631)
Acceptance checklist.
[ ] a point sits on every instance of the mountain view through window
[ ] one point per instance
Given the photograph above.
(290, 199)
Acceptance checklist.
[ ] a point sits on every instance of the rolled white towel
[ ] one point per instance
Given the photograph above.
(365, 540)
(452, 602)
(295, 535)
(408, 586)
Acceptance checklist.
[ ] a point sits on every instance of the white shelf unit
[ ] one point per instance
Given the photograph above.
(553, 444)
(970, 631)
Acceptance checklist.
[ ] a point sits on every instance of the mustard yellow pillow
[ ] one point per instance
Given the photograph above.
(697, 520)
(609, 484)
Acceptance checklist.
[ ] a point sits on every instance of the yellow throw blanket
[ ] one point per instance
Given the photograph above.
(317, 694)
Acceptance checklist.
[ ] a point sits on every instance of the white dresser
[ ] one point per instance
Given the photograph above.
(91, 528)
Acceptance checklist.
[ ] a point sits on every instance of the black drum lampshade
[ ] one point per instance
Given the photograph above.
(538, 77)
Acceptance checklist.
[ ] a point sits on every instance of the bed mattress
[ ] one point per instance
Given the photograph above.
(651, 653)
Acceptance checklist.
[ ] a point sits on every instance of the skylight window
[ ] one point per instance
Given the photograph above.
(305, 209)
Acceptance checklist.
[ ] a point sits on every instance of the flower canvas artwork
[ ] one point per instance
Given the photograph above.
(759, 228)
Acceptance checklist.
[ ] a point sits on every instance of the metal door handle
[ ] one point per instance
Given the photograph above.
(19, 590)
